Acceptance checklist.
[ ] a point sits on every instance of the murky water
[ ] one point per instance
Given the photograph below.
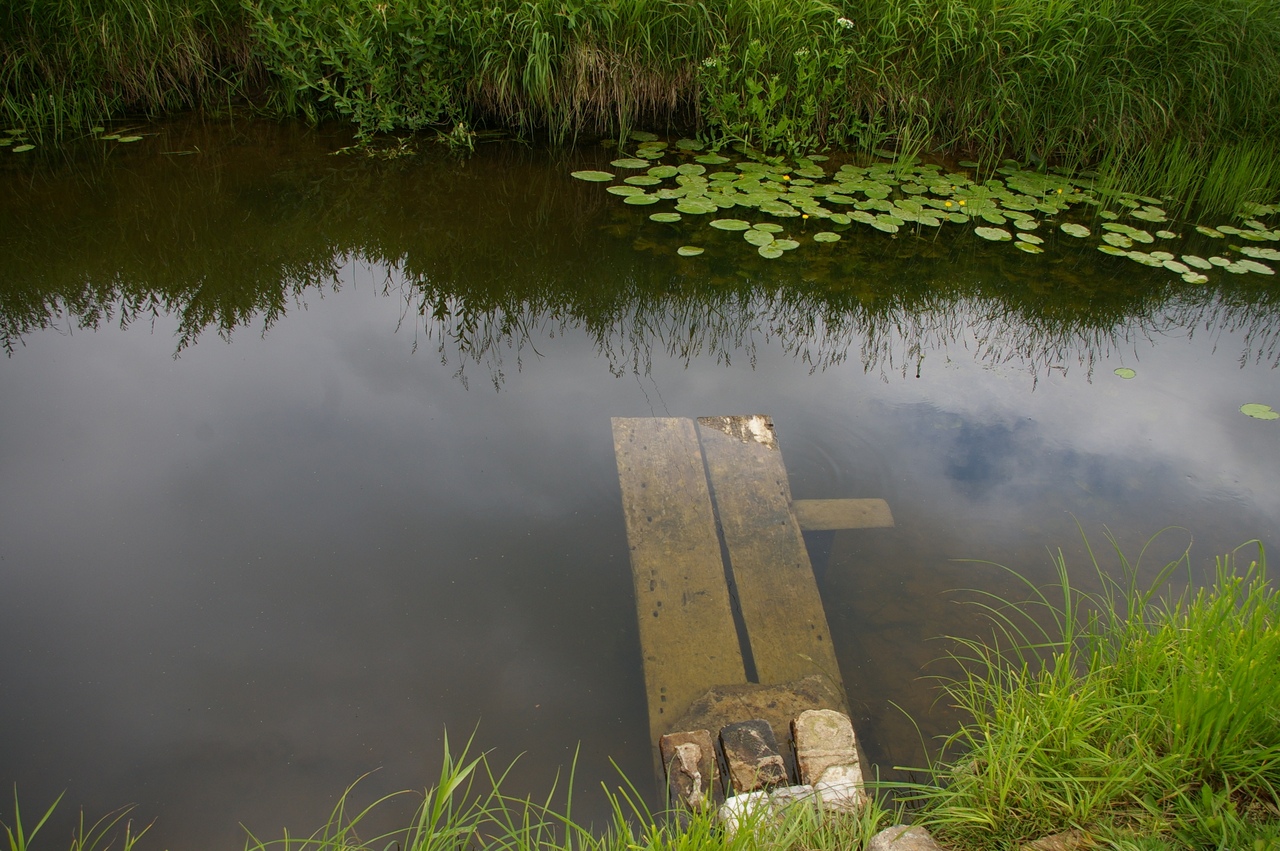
(305, 459)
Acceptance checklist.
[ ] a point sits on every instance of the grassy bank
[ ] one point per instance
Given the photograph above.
(1162, 93)
(1153, 723)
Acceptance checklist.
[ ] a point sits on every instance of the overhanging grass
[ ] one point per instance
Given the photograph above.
(1149, 720)
(1141, 84)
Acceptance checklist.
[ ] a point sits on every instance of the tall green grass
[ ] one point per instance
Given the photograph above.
(1136, 717)
(69, 64)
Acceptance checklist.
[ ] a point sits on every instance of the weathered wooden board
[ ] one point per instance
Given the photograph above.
(687, 635)
(821, 515)
(786, 625)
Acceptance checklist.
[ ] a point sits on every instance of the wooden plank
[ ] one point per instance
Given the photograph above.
(786, 625)
(687, 636)
(821, 515)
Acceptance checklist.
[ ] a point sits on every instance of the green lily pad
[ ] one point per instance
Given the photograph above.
(691, 169)
(826, 236)
(840, 218)
(1112, 250)
(1166, 234)
(967, 164)
(758, 238)
(1175, 266)
(662, 172)
(1195, 278)
(1030, 238)
(630, 162)
(769, 227)
(993, 234)
(1198, 262)
(1255, 267)
(642, 136)
(593, 176)
(640, 200)
(624, 190)
(1259, 412)
(129, 139)
(730, 224)
(1162, 255)
(786, 244)
(1260, 253)
(1125, 373)
(1026, 224)
(689, 250)
(1208, 231)
(641, 180)
(665, 218)
(1073, 229)
(1108, 214)
(1119, 240)
(1144, 258)
(690, 145)
(711, 159)
(1030, 248)
(20, 149)
(770, 251)
(1220, 261)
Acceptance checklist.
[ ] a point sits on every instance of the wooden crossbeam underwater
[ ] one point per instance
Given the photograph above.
(725, 592)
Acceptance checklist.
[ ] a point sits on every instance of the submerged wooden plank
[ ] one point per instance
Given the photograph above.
(687, 636)
(786, 625)
(819, 515)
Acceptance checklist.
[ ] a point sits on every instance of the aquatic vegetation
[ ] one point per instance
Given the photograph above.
(889, 194)
(1138, 717)
(1259, 411)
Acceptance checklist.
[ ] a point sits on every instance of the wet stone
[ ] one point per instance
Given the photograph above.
(751, 752)
(900, 837)
(824, 740)
(689, 761)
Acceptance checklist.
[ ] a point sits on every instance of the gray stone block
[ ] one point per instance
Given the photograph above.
(751, 753)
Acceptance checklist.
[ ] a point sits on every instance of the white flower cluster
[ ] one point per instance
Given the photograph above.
(710, 62)
(845, 22)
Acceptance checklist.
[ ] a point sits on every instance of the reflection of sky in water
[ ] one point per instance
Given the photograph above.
(235, 581)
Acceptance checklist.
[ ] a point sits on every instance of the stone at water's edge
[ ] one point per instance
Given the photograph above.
(778, 704)
(689, 760)
(901, 837)
(751, 752)
(824, 739)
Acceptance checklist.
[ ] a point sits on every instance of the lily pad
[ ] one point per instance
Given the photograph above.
(1175, 266)
(129, 139)
(624, 190)
(1112, 250)
(662, 172)
(627, 162)
(1144, 258)
(1208, 231)
(690, 145)
(758, 238)
(691, 169)
(1030, 248)
(20, 149)
(1195, 278)
(1260, 253)
(786, 244)
(642, 136)
(1198, 262)
(641, 180)
(1255, 267)
(1073, 229)
(1125, 373)
(1030, 238)
(1259, 412)
(769, 227)
(711, 159)
(1166, 234)
(826, 236)
(640, 200)
(1220, 261)
(730, 224)
(770, 251)
(689, 250)
(665, 218)
(993, 234)
(593, 176)
(1119, 240)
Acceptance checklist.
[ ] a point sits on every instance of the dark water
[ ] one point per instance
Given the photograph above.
(305, 459)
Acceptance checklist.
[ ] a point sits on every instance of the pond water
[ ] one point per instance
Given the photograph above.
(306, 459)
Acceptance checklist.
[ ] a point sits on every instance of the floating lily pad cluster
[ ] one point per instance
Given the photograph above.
(818, 202)
(15, 139)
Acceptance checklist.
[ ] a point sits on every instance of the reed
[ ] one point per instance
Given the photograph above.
(1138, 718)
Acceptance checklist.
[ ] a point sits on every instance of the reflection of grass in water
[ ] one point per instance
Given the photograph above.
(1132, 716)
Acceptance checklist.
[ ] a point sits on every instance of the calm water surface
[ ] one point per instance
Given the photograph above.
(306, 459)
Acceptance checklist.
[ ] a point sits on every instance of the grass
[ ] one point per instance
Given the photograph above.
(1138, 84)
(1146, 721)
(467, 809)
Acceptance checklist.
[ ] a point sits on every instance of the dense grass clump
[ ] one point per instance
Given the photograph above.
(1152, 723)
(69, 64)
